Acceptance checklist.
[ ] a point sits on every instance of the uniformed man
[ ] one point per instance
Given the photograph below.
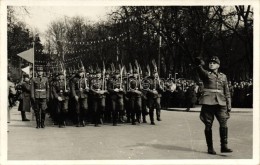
(116, 92)
(39, 97)
(215, 101)
(61, 97)
(154, 97)
(97, 91)
(79, 91)
(135, 98)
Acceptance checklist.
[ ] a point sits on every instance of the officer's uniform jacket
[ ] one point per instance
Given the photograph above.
(58, 89)
(40, 88)
(216, 91)
(154, 89)
(78, 86)
(96, 85)
(133, 84)
(113, 84)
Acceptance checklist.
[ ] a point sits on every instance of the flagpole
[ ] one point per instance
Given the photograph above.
(33, 56)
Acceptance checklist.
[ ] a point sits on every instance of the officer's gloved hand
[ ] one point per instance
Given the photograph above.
(59, 98)
(198, 61)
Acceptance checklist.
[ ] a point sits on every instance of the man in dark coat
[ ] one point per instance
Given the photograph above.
(25, 98)
(215, 101)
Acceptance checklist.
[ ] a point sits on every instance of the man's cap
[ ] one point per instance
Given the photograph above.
(60, 73)
(81, 69)
(214, 59)
(117, 71)
(39, 68)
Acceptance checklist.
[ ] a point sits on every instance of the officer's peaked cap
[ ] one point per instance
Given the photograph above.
(215, 59)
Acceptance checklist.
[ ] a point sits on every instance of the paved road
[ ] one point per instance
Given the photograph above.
(178, 136)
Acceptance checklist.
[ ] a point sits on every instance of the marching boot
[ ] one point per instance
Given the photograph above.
(158, 114)
(151, 118)
(78, 121)
(223, 131)
(96, 119)
(208, 135)
(133, 118)
(24, 116)
(144, 119)
(61, 121)
(138, 117)
(37, 120)
(114, 118)
(42, 120)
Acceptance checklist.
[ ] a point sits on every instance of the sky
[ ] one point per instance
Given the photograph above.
(40, 17)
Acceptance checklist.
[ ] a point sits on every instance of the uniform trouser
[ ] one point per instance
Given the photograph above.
(107, 114)
(144, 107)
(117, 108)
(98, 109)
(127, 108)
(136, 108)
(62, 110)
(39, 107)
(154, 103)
(209, 111)
(81, 107)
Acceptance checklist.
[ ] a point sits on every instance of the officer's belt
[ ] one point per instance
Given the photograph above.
(40, 90)
(213, 90)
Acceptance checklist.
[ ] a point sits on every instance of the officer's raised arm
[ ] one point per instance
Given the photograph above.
(199, 66)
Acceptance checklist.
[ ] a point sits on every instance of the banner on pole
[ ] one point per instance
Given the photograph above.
(27, 55)
(26, 70)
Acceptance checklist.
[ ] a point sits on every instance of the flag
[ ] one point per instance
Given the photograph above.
(26, 70)
(28, 55)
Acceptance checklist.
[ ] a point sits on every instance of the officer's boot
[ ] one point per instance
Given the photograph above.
(144, 119)
(96, 119)
(64, 115)
(133, 118)
(83, 119)
(151, 118)
(61, 120)
(138, 116)
(42, 120)
(208, 135)
(37, 116)
(115, 116)
(24, 116)
(78, 120)
(158, 114)
(223, 131)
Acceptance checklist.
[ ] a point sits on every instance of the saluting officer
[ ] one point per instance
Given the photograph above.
(97, 92)
(61, 96)
(215, 101)
(39, 97)
(79, 91)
